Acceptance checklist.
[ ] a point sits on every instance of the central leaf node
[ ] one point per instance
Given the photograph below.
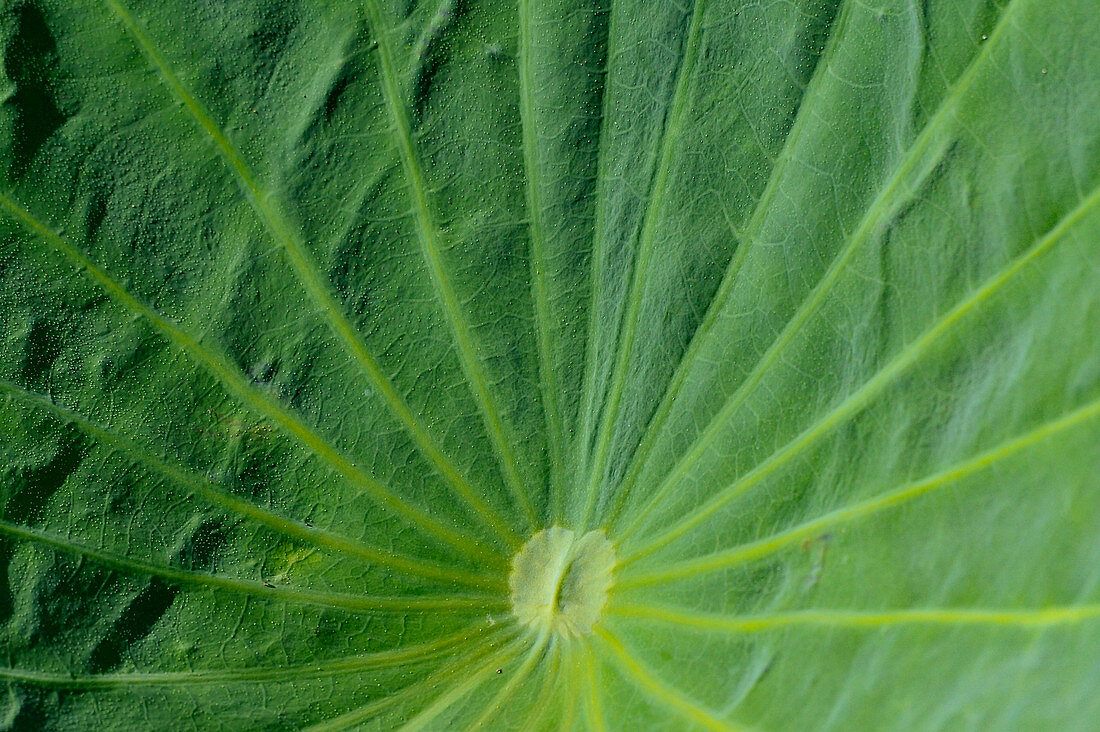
(559, 582)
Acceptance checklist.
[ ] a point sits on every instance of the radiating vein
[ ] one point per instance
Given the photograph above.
(464, 339)
(203, 487)
(920, 160)
(588, 410)
(571, 689)
(464, 687)
(670, 135)
(593, 709)
(303, 671)
(748, 238)
(315, 285)
(809, 529)
(186, 578)
(873, 387)
(231, 378)
(1008, 618)
(648, 681)
(552, 684)
(519, 676)
(423, 688)
(549, 381)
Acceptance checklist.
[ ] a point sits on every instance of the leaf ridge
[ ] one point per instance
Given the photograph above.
(572, 692)
(312, 670)
(549, 382)
(551, 683)
(362, 714)
(729, 277)
(587, 411)
(468, 683)
(593, 707)
(520, 676)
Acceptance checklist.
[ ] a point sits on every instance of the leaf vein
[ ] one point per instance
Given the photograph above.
(918, 161)
(1011, 618)
(219, 367)
(874, 386)
(464, 340)
(944, 479)
(206, 489)
(345, 602)
(313, 282)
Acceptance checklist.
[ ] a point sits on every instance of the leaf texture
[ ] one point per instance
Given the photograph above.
(313, 313)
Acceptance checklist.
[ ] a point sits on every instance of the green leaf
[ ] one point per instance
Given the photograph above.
(549, 365)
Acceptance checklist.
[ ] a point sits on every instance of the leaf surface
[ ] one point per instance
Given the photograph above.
(315, 313)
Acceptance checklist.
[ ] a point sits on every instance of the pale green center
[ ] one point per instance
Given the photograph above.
(559, 582)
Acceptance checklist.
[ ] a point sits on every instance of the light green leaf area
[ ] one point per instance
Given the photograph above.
(752, 348)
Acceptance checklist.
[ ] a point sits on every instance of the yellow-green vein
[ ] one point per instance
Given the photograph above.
(464, 340)
(488, 668)
(237, 384)
(476, 654)
(203, 487)
(549, 383)
(770, 545)
(184, 578)
(517, 677)
(298, 672)
(923, 156)
(570, 684)
(593, 709)
(551, 684)
(643, 252)
(588, 413)
(729, 277)
(672, 697)
(1009, 618)
(874, 386)
(313, 282)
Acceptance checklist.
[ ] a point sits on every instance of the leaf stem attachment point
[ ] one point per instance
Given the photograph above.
(559, 581)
